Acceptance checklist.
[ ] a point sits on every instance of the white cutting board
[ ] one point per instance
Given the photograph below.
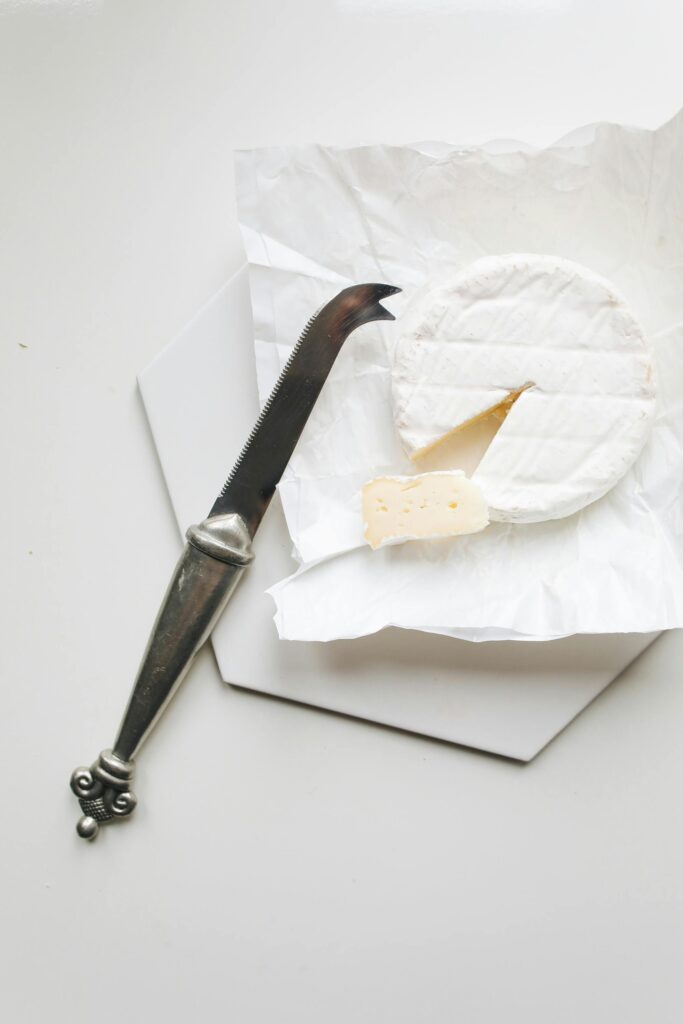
(509, 697)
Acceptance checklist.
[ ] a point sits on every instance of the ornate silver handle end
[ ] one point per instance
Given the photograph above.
(103, 792)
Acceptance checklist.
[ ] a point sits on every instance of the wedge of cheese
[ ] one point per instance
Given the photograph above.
(442, 504)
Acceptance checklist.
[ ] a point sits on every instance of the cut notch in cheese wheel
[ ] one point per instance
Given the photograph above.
(471, 344)
(429, 505)
(498, 412)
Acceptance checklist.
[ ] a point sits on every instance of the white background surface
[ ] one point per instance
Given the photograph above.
(285, 865)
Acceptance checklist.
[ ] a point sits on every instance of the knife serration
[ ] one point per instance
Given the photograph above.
(264, 457)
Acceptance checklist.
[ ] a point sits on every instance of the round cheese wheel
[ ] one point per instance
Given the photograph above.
(551, 344)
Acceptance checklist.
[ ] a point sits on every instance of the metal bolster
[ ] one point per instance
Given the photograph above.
(225, 538)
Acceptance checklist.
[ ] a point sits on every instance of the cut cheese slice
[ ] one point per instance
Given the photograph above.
(476, 343)
(400, 508)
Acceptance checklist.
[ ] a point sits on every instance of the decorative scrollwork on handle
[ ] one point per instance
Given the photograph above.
(103, 792)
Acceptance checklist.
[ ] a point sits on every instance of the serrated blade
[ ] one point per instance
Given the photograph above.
(263, 460)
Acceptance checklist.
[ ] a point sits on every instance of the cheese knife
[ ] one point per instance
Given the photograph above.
(218, 550)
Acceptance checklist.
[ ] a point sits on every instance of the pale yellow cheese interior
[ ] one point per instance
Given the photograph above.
(465, 444)
(398, 508)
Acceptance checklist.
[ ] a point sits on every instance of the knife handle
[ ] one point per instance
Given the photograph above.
(209, 569)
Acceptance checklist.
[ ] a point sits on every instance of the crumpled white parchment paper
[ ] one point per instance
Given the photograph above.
(316, 219)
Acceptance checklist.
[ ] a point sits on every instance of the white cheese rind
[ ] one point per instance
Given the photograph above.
(428, 505)
(513, 320)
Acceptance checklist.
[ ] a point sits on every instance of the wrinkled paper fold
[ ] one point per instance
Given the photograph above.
(316, 219)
